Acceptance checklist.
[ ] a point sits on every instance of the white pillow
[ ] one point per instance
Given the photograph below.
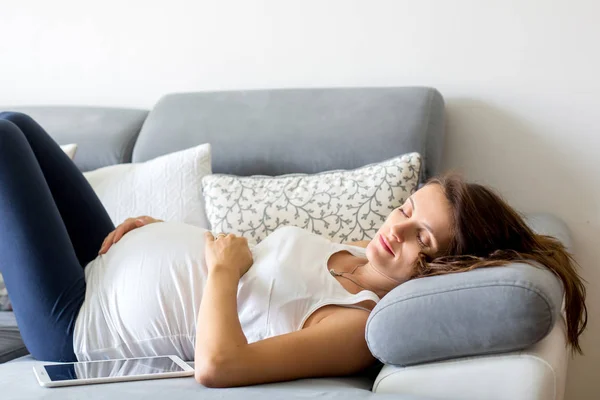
(5, 305)
(341, 205)
(4, 300)
(168, 187)
(70, 149)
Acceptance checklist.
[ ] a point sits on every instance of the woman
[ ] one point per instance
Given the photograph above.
(294, 306)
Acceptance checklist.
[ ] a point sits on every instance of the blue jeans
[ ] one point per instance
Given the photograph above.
(51, 225)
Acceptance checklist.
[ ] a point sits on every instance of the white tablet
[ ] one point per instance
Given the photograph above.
(130, 369)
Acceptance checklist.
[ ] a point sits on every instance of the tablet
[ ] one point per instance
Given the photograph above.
(130, 369)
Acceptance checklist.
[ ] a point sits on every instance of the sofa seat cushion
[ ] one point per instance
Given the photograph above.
(11, 345)
(18, 382)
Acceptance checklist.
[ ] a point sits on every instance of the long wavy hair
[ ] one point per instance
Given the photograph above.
(487, 232)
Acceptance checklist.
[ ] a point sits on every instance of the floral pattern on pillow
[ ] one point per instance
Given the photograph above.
(341, 205)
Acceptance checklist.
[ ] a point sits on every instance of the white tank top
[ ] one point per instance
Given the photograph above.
(143, 296)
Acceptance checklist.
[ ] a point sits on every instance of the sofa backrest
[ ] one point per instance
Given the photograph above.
(104, 136)
(274, 132)
(267, 132)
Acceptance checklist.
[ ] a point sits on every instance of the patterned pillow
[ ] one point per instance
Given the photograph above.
(341, 205)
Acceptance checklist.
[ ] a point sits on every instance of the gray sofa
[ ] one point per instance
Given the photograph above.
(273, 132)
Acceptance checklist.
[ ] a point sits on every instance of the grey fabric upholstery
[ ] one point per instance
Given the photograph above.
(18, 382)
(274, 132)
(548, 224)
(104, 136)
(11, 345)
(484, 311)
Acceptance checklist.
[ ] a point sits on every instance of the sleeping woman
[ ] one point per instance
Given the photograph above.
(293, 306)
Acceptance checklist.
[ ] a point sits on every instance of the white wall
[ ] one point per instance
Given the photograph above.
(521, 80)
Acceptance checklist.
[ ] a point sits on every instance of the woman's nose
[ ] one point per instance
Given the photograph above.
(399, 231)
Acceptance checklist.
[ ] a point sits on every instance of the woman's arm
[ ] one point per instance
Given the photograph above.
(218, 330)
(334, 346)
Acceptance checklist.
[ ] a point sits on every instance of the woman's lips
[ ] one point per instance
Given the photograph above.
(385, 245)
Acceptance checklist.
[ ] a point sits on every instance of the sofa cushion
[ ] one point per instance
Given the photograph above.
(285, 131)
(168, 187)
(11, 345)
(104, 136)
(18, 382)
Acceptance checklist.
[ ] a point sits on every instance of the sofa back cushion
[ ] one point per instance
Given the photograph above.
(275, 132)
(104, 136)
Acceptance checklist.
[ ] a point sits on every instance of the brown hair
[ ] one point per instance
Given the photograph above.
(487, 232)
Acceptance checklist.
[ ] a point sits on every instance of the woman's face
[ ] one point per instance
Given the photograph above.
(422, 224)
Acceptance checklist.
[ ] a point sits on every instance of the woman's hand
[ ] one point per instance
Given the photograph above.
(227, 252)
(128, 225)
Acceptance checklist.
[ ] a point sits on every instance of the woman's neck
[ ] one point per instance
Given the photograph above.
(356, 274)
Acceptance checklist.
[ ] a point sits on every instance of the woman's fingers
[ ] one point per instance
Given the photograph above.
(101, 251)
(107, 243)
(128, 225)
(122, 229)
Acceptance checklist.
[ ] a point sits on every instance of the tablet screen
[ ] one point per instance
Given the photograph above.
(112, 368)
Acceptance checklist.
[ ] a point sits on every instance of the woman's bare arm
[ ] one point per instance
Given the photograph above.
(218, 331)
(334, 346)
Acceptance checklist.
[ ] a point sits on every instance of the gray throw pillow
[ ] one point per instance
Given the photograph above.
(484, 311)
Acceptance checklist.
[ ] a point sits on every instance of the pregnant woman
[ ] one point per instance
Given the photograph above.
(293, 306)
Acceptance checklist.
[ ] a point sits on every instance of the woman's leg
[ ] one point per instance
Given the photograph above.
(83, 214)
(52, 224)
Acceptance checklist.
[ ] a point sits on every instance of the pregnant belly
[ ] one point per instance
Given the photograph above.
(143, 296)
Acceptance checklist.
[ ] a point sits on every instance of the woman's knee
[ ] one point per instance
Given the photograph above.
(9, 132)
(15, 117)
(27, 126)
(13, 143)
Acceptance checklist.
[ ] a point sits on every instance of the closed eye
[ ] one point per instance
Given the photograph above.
(419, 240)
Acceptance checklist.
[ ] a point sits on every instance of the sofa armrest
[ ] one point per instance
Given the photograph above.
(536, 373)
